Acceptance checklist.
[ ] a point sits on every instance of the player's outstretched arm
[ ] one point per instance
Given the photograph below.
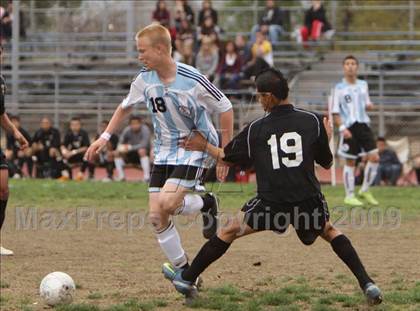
(11, 128)
(117, 118)
(197, 142)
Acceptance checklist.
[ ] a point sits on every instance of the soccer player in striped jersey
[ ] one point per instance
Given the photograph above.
(179, 100)
(350, 102)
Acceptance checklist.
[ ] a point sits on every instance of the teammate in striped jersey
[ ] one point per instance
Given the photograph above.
(350, 102)
(179, 100)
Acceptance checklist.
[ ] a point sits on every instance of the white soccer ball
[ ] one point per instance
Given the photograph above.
(57, 288)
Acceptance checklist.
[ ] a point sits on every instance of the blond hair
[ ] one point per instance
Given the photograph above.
(157, 35)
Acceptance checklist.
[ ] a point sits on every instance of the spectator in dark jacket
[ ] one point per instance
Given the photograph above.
(390, 167)
(206, 11)
(316, 24)
(273, 18)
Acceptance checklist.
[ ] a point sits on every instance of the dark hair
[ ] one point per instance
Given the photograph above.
(104, 122)
(134, 117)
(75, 119)
(351, 57)
(381, 138)
(14, 117)
(272, 81)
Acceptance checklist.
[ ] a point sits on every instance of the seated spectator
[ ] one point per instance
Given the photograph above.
(185, 42)
(243, 48)
(184, 11)
(273, 19)
(262, 57)
(390, 167)
(16, 157)
(208, 58)
(106, 156)
(229, 67)
(46, 150)
(207, 11)
(75, 143)
(161, 14)
(210, 30)
(134, 147)
(316, 24)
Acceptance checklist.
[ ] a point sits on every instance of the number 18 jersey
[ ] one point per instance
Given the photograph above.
(185, 104)
(282, 146)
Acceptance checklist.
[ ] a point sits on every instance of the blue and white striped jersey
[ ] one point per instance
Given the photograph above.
(176, 109)
(350, 101)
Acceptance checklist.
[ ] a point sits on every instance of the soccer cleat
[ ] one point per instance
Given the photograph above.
(373, 294)
(169, 272)
(210, 216)
(368, 196)
(5, 252)
(353, 201)
(187, 288)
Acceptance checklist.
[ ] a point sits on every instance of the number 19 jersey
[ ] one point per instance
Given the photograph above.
(282, 146)
(185, 104)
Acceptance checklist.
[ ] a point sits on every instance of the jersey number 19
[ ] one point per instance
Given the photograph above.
(295, 148)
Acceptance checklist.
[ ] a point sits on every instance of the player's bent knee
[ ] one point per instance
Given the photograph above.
(157, 221)
(231, 232)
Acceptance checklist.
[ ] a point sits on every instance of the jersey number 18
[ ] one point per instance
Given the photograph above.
(158, 104)
(295, 149)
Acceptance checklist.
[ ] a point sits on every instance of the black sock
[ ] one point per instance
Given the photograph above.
(20, 164)
(109, 169)
(3, 204)
(209, 253)
(30, 165)
(208, 201)
(343, 248)
(84, 166)
(91, 169)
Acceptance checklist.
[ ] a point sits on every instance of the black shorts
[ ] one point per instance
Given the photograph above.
(3, 162)
(132, 157)
(184, 175)
(308, 217)
(361, 142)
(77, 158)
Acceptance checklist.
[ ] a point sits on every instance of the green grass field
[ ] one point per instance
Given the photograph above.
(402, 290)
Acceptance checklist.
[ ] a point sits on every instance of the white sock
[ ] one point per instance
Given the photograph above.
(145, 165)
(191, 204)
(170, 242)
(119, 165)
(348, 177)
(369, 175)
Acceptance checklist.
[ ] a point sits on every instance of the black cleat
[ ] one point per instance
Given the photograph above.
(210, 221)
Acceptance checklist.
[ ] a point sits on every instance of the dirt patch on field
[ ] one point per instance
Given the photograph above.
(112, 266)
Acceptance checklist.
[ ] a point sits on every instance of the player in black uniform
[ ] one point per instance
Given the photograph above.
(9, 127)
(75, 143)
(16, 157)
(46, 148)
(282, 146)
